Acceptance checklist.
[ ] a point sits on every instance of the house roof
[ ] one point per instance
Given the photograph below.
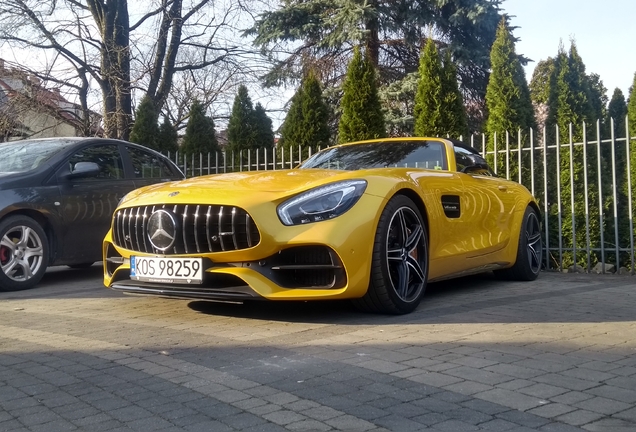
(16, 83)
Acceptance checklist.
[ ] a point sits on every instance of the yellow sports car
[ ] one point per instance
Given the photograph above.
(371, 221)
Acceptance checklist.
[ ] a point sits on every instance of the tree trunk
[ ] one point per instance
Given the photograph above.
(112, 19)
(373, 42)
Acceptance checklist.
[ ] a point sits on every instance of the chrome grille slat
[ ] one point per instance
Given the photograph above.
(247, 229)
(234, 228)
(174, 210)
(123, 228)
(137, 228)
(221, 229)
(207, 227)
(184, 228)
(143, 230)
(196, 228)
(117, 223)
(130, 228)
(201, 230)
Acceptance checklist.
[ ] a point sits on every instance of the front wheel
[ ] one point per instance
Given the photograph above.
(399, 267)
(529, 253)
(24, 253)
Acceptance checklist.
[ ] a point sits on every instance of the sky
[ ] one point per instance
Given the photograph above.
(604, 32)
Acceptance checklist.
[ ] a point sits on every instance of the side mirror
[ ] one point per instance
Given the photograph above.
(478, 164)
(84, 169)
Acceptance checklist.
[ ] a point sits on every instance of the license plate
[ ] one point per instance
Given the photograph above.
(167, 270)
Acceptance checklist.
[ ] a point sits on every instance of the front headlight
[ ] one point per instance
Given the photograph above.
(322, 203)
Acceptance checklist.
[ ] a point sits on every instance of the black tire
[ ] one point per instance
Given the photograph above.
(81, 265)
(527, 266)
(399, 267)
(24, 253)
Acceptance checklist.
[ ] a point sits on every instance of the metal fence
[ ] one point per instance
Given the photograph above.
(585, 187)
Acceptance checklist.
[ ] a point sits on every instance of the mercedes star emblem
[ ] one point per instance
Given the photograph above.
(162, 229)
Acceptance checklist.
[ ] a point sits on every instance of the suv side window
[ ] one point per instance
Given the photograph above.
(147, 165)
(106, 156)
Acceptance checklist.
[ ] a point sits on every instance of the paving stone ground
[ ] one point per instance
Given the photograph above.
(554, 355)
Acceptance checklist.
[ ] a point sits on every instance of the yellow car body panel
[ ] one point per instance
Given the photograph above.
(482, 232)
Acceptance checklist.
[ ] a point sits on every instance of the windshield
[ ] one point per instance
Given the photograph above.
(381, 154)
(21, 156)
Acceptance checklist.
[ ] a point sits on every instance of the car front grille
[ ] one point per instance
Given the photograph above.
(199, 229)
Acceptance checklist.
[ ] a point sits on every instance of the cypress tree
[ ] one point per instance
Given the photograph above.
(453, 111)
(429, 99)
(597, 95)
(541, 86)
(315, 114)
(306, 124)
(616, 111)
(570, 107)
(200, 136)
(263, 128)
(508, 102)
(240, 130)
(631, 113)
(291, 133)
(145, 130)
(362, 117)
(167, 140)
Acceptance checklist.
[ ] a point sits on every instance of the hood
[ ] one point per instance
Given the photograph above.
(11, 180)
(10, 174)
(236, 187)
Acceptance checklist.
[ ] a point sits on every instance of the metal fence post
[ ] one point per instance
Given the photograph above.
(615, 195)
(628, 145)
(600, 192)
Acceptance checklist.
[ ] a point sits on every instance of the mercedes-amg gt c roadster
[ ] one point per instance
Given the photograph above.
(370, 221)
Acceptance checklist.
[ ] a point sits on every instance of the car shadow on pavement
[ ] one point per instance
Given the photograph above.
(330, 311)
(479, 298)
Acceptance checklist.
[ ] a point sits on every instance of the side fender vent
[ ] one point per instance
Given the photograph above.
(450, 204)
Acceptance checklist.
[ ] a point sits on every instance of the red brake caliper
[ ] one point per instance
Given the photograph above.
(4, 254)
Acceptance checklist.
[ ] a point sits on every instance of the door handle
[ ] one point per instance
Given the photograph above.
(503, 188)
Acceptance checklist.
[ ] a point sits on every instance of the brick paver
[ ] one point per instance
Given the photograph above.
(557, 354)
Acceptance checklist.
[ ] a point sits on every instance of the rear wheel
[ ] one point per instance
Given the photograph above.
(399, 267)
(24, 253)
(527, 266)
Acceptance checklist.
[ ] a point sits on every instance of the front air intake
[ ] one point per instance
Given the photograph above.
(196, 229)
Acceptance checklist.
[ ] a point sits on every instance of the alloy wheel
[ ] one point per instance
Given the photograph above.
(21, 253)
(534, 243)
(406, 254)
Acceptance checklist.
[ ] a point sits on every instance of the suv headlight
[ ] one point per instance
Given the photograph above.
(321, 203)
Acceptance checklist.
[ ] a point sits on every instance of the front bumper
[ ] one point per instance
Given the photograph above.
(324, 260)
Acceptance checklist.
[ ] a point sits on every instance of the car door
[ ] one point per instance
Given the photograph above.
(487, 203)
(88, 202)
(149, 168)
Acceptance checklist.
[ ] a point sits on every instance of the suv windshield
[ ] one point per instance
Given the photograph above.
(381, 154)
(21, 156)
